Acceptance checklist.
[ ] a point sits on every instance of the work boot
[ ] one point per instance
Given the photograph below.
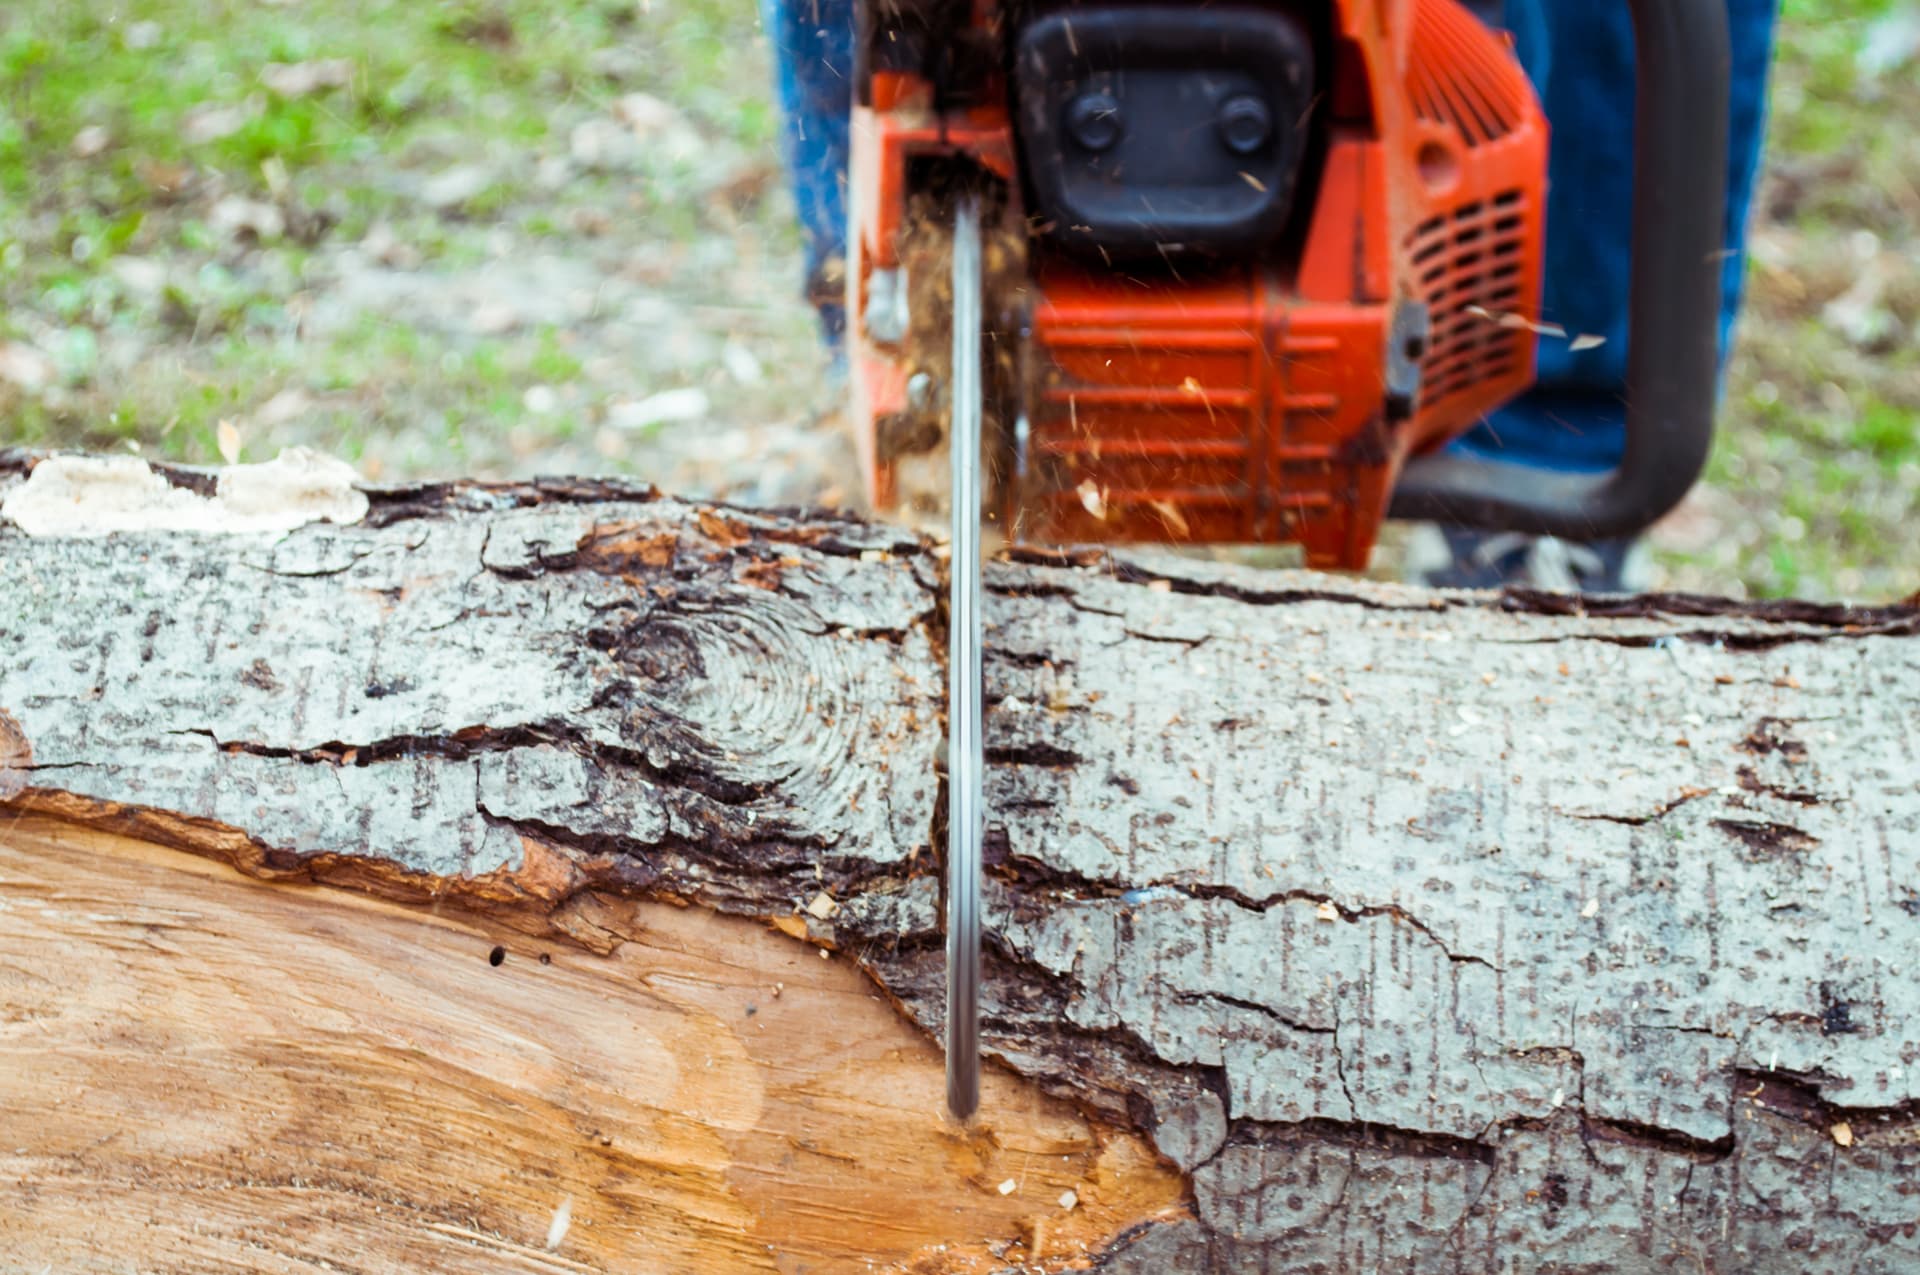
(826, 291)
(1457, 558)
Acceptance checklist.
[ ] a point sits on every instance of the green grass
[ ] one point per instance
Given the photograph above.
(1813, 484)
(129, 128)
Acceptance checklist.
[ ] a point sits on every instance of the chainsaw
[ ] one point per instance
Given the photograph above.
(1237, 274)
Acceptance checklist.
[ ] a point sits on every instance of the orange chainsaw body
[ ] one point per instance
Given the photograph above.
(1267, 394)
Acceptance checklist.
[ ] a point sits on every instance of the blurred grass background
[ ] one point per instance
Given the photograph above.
(499, 238)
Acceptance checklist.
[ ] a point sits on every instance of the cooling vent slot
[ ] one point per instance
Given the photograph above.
(1464, 75)
(1468, 266)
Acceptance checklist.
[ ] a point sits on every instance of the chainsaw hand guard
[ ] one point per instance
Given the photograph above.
(1684, 62)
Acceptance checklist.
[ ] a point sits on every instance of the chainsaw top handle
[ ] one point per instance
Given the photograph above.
(1683, 54)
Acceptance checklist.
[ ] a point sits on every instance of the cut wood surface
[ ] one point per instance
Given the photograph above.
(207, 1072)
(1334, 926)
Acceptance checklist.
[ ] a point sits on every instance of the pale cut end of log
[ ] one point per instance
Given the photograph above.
(101, 495)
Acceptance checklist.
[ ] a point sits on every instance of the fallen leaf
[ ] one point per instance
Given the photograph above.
(385, 247)
(167, 180)
(207, 123)
(25, 367)
(745, 183)
(494, 318)
(647, 116)
(90, 141)
(247, 220)
(689, 404)
(591, 222)
(285, 406)
(298, 79)
(453, 187)
(1858, 314)
(601, 145)
(1842, 1133)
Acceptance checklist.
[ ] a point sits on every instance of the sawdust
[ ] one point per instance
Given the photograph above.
(918, 440)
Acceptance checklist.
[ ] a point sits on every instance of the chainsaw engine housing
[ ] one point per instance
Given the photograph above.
(1251, 258)
(1145, 127)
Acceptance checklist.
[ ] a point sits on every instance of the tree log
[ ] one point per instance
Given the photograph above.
(1334, 926)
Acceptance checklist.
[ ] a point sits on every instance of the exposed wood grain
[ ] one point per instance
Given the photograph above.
(1426, 931)
(201, 1071)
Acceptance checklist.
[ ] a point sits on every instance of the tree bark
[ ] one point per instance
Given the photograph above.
(1334, 925)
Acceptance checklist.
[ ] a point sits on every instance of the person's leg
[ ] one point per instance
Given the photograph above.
(1580, 56)
(1574, 417)
(813, 71)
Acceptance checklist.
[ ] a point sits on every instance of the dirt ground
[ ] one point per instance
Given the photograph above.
(500, 239)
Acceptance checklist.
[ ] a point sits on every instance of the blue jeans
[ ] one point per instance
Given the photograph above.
(813, 71)
(1579, 54)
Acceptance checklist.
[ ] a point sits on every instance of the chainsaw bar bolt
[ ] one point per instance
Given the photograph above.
(1245, 123)
(920, 392)
(1094, 120)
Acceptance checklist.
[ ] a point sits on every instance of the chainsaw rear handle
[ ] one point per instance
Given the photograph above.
(1684, 55)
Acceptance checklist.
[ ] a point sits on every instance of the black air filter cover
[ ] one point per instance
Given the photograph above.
(1155, 129)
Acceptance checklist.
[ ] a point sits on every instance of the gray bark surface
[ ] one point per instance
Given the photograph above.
(1423, 932)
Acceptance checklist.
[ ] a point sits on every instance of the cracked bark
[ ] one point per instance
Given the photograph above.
(1446, 932)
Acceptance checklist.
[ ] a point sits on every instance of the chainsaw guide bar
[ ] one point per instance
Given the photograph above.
(966, 761)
